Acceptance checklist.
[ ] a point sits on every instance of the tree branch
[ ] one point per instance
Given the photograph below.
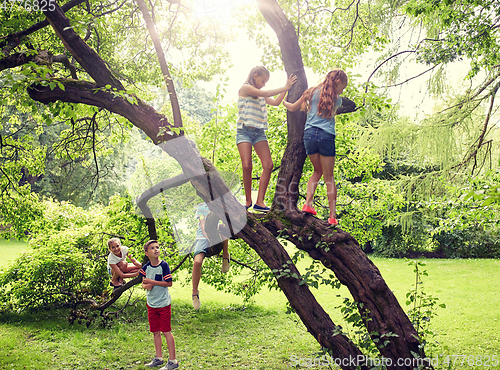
(88, 59)
(9, 42)
(163, 63)
(81, 92)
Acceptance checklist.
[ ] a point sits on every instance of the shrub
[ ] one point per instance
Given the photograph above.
(473, 242)
(396, 243)
(66, 264)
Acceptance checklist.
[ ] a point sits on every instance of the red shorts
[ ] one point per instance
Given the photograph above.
(159, 319)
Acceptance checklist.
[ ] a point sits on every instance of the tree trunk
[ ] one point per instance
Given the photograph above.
(339, 252)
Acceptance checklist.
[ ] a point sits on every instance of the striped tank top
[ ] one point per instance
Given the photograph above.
(252, 112)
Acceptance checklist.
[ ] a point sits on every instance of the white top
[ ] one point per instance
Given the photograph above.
(113, 259)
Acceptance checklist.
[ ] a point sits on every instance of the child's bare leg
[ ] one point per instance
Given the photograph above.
(313, 181)
(137, 264)
(225, 256)
(264, 153)
(131, 268)
(225, 248)
(158, 346)
(171, 344)
(197, 264)
(245, 150)
(115, 278)
(328, 164)
(127, 268)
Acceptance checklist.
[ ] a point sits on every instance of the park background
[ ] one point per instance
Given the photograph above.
(408, 187)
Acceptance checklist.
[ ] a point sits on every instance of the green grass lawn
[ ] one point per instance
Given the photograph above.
(11, 249)
(225, 334)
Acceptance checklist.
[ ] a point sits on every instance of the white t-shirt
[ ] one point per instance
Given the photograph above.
(113, 259)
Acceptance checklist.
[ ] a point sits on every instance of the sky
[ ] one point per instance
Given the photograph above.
(413, 96)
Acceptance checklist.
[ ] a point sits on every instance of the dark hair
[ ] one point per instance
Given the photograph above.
(148, 243)
(328, 97)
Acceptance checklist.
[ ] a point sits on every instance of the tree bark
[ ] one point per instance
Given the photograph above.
(316, 320)
(383, 315)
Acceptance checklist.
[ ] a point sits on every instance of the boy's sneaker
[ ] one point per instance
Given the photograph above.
(170, 365)
(155, 362)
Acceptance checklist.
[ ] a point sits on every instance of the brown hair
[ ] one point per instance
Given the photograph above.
(327, 97)
(148, 243)
(260, 70)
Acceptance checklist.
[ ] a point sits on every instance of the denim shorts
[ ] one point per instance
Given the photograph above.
(250, 135)
(200, 246)
(318, 141)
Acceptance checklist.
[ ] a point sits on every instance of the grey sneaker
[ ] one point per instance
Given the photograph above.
(170, 365)
(155, 362)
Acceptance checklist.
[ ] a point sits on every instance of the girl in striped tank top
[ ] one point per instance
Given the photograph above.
(250, 130)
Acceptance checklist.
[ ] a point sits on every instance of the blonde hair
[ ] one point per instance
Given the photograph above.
(148, 243)
(260, 70)
(116, 240)
(328, 97)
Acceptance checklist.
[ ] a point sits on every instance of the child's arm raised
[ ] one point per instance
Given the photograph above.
(249, 90)
(275, 102)
(134, 261)
(292, 107)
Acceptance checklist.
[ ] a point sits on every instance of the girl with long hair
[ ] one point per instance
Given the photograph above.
(321, 103)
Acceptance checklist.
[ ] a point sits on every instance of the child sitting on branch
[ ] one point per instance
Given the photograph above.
(118, 267)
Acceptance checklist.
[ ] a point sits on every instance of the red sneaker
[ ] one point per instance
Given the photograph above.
(308, 209)
(333, 221)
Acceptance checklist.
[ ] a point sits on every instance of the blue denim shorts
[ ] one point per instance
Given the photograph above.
(250, 135)
(318, 141)
(200, 246)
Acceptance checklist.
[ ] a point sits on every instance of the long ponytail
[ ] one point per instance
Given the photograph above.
(327, 97)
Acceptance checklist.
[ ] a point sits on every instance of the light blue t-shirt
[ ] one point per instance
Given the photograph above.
(315, 121)
(201, 211)
(159, 296)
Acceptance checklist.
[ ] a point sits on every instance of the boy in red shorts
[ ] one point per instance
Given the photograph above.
(156, 280)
